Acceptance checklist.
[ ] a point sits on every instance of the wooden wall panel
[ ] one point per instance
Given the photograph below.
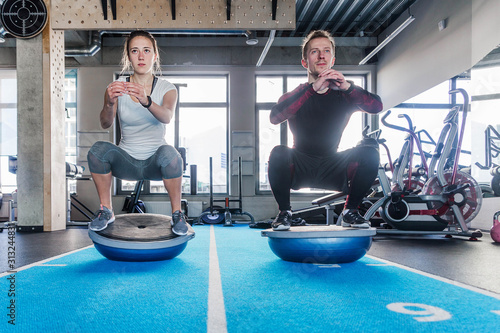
(157, 14)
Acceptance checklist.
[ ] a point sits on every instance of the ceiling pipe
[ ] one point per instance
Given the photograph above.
(96, 42)
(388, 39)
(266, 48)
(94, 47)
(2, 34)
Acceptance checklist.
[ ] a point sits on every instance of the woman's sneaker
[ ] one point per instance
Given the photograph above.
(352, 218)
(179, 224)
(283, 221)
(102, 218)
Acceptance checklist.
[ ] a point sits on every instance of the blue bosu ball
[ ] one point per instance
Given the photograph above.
(140, 237)
(320, 244)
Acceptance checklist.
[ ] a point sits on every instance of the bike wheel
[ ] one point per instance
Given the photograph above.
(468, 199)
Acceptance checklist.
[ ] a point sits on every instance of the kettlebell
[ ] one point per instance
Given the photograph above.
(495, 229)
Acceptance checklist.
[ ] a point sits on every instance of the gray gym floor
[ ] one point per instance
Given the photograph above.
(473, 263)
(33, 247)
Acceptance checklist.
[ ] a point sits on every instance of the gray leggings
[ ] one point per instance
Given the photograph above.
(105, 157)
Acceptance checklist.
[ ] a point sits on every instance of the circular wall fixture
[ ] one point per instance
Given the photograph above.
(23, 18)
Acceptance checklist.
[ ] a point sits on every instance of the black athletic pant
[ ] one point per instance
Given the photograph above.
(352, 171)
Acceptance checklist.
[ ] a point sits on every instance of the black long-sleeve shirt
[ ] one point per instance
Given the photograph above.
(318, 120)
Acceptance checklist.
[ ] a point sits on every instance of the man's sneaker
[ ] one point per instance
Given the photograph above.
(102, 218)
(179, 225)
(282, 221)
(352, 218)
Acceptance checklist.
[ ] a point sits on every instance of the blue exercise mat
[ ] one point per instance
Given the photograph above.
(265, 293)
(85, 292)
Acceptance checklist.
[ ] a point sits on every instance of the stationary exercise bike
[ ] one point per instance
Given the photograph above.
(404, 175)
(448, 198)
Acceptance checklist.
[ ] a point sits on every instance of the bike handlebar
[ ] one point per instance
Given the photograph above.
(396, 127)
(410, 123)
(465, 95)
(465, 107)
(367, 135)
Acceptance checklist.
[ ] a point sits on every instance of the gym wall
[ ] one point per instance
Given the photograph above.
(427, 56)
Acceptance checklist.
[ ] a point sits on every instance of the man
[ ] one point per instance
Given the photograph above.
(317, 113)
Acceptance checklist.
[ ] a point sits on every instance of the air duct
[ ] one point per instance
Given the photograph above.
(96, 42)
(266, 48)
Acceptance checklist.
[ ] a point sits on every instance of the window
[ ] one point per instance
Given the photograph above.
(427, 112)
(269, 88)
(8, 125)
(485, 103)
(70, 123)
(201, 117)
(8, 128)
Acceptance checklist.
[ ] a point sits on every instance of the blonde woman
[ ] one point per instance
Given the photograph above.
(144, 104)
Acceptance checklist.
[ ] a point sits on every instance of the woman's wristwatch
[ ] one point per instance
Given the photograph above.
(150, 101)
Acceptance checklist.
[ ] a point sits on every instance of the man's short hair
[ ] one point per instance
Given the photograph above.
(316, 34)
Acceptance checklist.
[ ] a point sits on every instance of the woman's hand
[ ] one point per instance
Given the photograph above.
(138, 91)
(115, 89)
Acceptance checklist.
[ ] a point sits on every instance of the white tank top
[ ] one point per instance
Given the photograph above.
(141, 133)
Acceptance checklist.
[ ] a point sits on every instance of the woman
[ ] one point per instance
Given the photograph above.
(144, 104)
